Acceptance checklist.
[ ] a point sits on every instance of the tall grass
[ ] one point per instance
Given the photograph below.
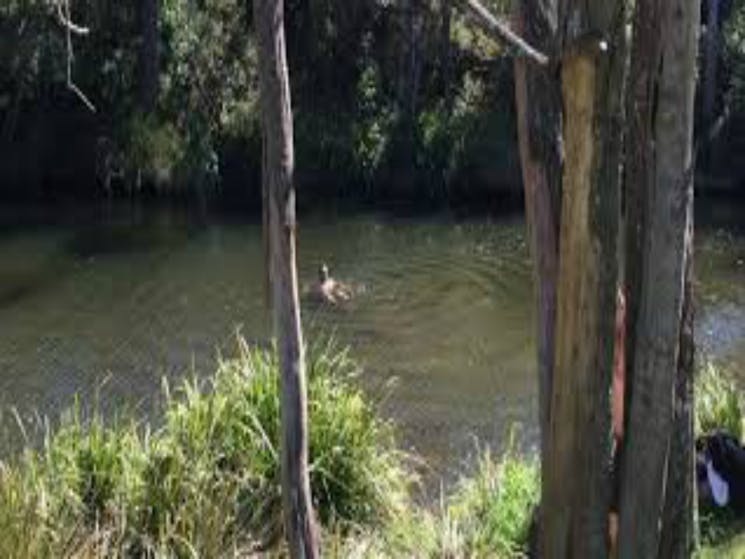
(205, 484)
(487, 516)
(720, 405)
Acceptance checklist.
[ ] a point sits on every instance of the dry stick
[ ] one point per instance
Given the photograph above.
(503, 33)
(71, 28)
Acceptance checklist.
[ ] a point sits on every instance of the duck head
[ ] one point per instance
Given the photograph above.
(323, 273)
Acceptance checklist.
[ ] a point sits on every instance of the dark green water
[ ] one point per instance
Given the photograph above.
(105, 303)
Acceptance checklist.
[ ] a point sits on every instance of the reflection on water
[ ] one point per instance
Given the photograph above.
(442, 306)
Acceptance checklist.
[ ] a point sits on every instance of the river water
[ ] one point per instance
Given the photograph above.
(104, 303)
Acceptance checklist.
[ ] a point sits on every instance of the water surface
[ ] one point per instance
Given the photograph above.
(105, 303)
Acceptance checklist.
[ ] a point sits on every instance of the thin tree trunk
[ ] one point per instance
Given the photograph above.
(678, 515)
(280, 194)
(409, 79)
(149, 56)
(668, 93)
(446, 54)
(538, 101)
(711, 65)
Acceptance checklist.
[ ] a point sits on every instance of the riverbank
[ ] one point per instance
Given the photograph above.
(206, 482)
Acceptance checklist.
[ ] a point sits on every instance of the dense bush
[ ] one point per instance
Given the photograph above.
(386, 105)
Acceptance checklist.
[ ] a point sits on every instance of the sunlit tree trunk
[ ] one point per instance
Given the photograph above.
(577, 481)
(279, 197)
(658, 446)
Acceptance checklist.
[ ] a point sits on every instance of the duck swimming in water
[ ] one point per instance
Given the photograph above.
(328, 290)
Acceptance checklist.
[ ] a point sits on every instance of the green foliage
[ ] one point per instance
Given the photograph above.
(734, 55)
(719, 403)
(209, 86)
(732, 549)
(352, 90)
(206, 483)
(720, 406)
(153, 148)
(374, 125)
(494, 508)
(488, 516)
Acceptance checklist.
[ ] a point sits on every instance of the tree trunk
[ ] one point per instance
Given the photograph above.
(678, 525)
(666, 45)
(711, 65)
(538, 101)
(149, 56)
(279, 192)
(408, 88)
(446, 55)
(577, 488)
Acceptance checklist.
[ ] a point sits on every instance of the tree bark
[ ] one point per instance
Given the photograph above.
(446, 54)
(538, 102)
(665, 94)
(149, 55)
(577, 478)
(678, 526)
(279, 193)
(711, 64)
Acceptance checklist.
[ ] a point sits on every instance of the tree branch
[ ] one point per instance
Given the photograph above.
(501, 32)
(71, 28)
(66, 22)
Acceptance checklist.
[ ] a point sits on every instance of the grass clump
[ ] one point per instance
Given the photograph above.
(207, 482)
(720, 406)
(487, 516)
(493, 510)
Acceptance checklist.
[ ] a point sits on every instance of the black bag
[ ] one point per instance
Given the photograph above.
(727, 457)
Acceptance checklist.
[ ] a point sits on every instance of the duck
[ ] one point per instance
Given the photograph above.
(328, 290)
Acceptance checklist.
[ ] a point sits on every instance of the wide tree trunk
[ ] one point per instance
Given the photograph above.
(663, 81)
(279, 196)
(576, 477)
(148, 55)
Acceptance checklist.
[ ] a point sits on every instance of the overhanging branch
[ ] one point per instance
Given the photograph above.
(501, 32)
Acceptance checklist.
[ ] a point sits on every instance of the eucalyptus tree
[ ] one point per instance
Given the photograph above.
(570, 83)
(279, 229)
